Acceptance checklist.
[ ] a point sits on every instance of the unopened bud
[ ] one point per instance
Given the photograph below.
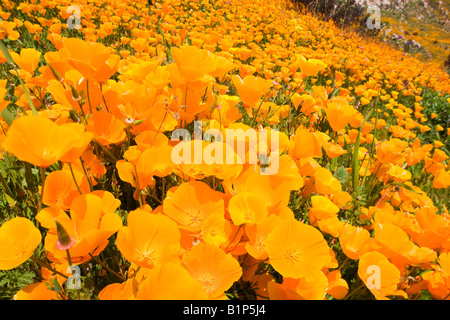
(65, 241)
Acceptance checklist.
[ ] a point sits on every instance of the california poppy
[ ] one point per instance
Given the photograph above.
(322, 208)
(36, 291)
(257, 235)
(88, 226)
(216, 230)
(248, 208)
(339, 113)
(379, 275)
(60, 188)
(39, 140)
(354, 241)
(170, 281)
(297, 250)
(310, 67)
(28, 59)
(192, 63)
(325, 183)
(306, 144)
(106, 128)
(148, 239)
(92, 59)
(120, 291)
(213, 268)
(156, 161)
(18, 240)
(299, 289)
(251, 89)
(191, 203)
(337, 286)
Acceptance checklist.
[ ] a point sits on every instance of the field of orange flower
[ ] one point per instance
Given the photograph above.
(118, 183)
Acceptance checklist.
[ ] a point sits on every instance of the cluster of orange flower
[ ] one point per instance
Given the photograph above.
(96, 115)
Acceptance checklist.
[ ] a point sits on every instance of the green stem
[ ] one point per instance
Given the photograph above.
(89, 98)
(113, 157)
(259, 107)
(43, 264)
(106, 267)
(85, 173)
(42, 189)
(103, 97)
(68, 257)
(74, 180)
(138, 188)
(354, 291)
(234, 237)
(10, 60)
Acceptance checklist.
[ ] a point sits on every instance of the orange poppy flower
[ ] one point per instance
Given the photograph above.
(379, 275)
(107, 129)
(306, 144)
(192, 63)
(220, 160)
(337, 287)
(299, 289)
(310, 67)
(297, 250)
(391, 151)
(78, 148)
(247, 208)
(354, 241)
(191, 203)
(88, 226)
(3, 58)
(170, 281)
(92, 59)
(36, 291)
(435, 282)
(3, 91)
(441, 179)
(147, 139)
(60, 188)
(332, 225)
(325, 183)
(393, 241)
(28, 59)
(251, 89)
(333, 150)
(399, 174)
(257, 236)
(148, 239)
(213, 268)
(322, 208)
(8, 27)
(18, 240)
(127, 173)
(339, 113)
(216, 230)
(155, 161)
(120, 291)
(39, 140)
(305, 102)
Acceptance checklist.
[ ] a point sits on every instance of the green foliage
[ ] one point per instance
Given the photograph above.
(11, 281)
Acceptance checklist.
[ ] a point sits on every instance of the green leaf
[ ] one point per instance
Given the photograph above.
(341, 174)
(355, 164)
(409, 188)
(6, 52)
(10, 200)
(355, 158)
(10, 60)
(7, 116)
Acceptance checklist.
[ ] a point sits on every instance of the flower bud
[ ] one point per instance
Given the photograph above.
(65, 241)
